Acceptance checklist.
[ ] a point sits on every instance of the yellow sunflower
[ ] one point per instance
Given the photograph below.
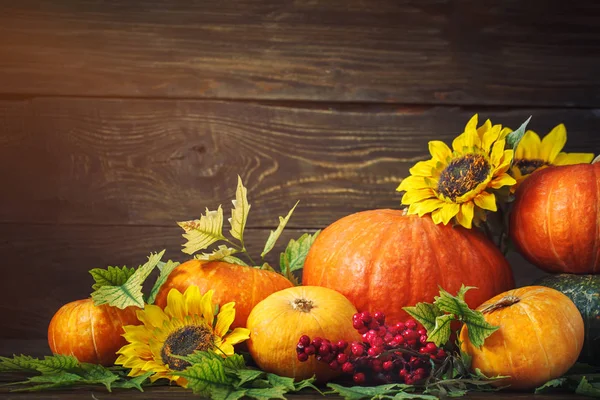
(188, 323)
(534, 153)
(457, 184)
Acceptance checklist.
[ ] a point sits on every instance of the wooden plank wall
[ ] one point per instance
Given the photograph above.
(118, 118)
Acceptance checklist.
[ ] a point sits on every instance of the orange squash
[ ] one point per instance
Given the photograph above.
(540, 337)
(246, 286)
(555, 220)
(383, 260)
(277, 322)
(90, 333)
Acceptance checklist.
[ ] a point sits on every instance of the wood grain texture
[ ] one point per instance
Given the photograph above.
(142, 162)
(412, 52)
(46, 266)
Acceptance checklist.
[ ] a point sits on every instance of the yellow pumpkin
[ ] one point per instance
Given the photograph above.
(278, 321)
(540, 337)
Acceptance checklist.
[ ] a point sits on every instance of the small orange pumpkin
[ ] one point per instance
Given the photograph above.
(246, 286)
(277, 322)
(90, 333)
(555, 220)
(540, 337)
(384, 260)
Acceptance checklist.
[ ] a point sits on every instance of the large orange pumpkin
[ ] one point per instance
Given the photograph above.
(540, 337)
(246, 286)
(555, 220)
(383, 260)
(90, 333)
(277, 322)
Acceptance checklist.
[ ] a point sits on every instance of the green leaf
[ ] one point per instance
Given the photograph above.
(463, 291)
(587, 389)
(239, 213)
(514, 138)
(453, 304)
(441, 332)
(425, 313)
(112, 276)
(207, 376)
(554, 383)
(130, 293)
(134, 383)
(267, 393)
(274, 235)
(366, 392)
(478, 328)
(307, 383)
(234, 260)
(41, 382)
(55, 364)
(165, 271)
(267, 267)
(281, 381)
(97, 374)
(17, 364)
(201, 233)
(248, 375)
(292, 259)
(219, 254)
(219, 393)
(405, 395)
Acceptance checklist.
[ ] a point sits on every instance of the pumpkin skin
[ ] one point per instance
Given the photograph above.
(277, 322)
(90, 333)
(244, 285)
(383, 260)
(555, 221)
(539, 339)
(584, 291)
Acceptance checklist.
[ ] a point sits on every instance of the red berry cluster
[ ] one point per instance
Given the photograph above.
(396, 353)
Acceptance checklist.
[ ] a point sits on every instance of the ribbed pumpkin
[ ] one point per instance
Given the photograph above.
(383, 260)
(90, 333)
(231, 282)
(539, 339)
(584, 291)
(555, 221)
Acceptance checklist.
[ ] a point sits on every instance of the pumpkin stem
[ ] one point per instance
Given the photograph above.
(506, 301)
(303, 305)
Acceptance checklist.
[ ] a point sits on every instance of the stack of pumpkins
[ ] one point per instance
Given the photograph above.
(555, 224)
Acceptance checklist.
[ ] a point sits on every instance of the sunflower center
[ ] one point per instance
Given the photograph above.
(527, 166)
(185, 341)
(463, 175)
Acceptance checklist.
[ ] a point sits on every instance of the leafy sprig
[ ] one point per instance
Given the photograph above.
(201, 234)
(228, 378)
(122, 287)
(581, 379)
(61, 371)
(437, 318)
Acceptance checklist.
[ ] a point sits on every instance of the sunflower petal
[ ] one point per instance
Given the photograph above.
(176, 307)
(553, 143)
(193, 299)
(206, 305)
(502, 180)
(439, 150)
(466, 140)
(529, 147)
(487, 125)
(498, 152)
(426, 206)
(448, 212)
(412, 182)
(573, 158)
(465, 215)
(151, 316)
(486, 201)
(225, 319)
(504, 132)
(423, 168)
(238, 335)
(489, 137)
(413, 196)
(472, 124)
